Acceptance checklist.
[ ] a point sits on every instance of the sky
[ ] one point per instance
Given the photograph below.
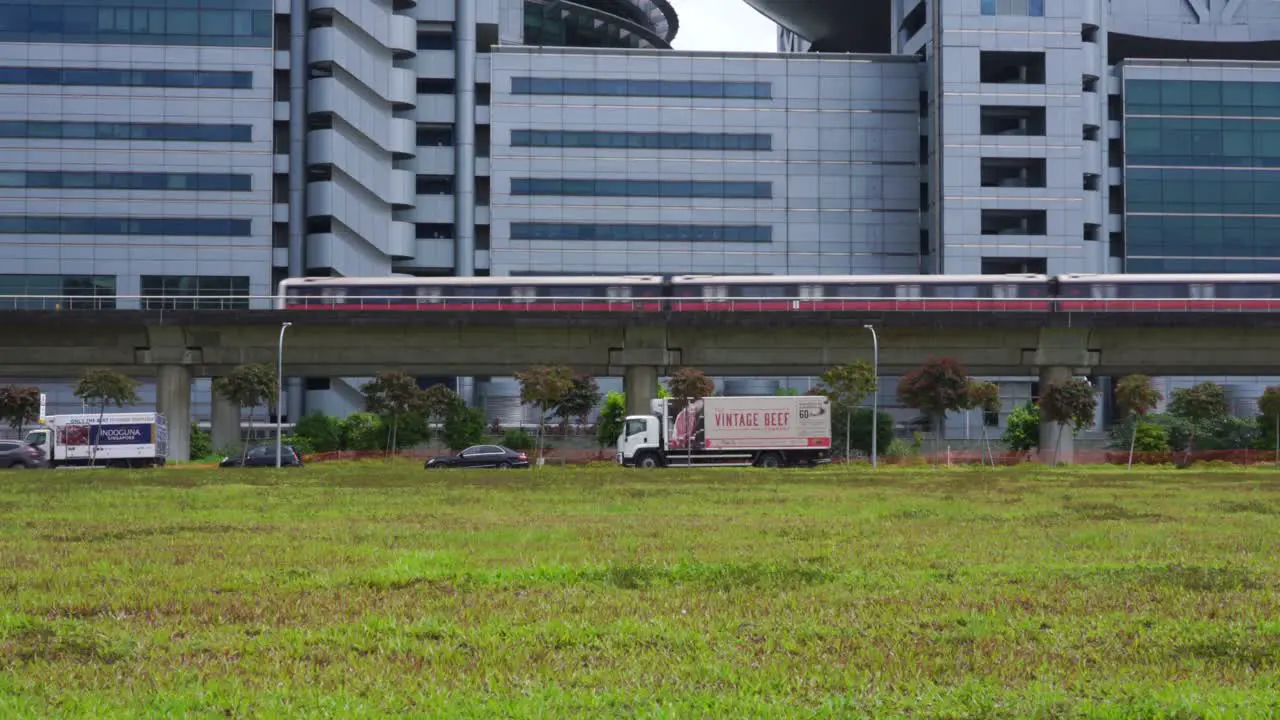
(723, 25)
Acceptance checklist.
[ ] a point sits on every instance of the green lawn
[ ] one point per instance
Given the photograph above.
(368, 591)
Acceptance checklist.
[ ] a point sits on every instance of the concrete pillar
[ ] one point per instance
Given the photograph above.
(225, 433)
(295, 395)
(640, 383)
(1049, 431)
(173, 400)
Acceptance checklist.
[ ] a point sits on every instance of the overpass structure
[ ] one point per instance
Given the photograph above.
(176, 346)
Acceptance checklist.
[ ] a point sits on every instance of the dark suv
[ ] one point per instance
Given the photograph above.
(20, 455)
(264, 456)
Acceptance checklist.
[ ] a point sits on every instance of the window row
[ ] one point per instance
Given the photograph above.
(1021, 8)
(240, 24)
(1202, 236)
(1201, 97)
(642, 233)
(1187, 266)
(194, 292)
(62, 225)
(126, 181)
(641, 88)
(1202, 191)
(641, 188)
(641, 140)
(82, 292)
(38, 129)
(111, 77)
(1202, 141)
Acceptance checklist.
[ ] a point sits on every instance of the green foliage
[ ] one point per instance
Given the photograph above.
(899, 448)
(860, 430)
(545, 387)
(847, 385)
(248, 386)
(201, 442)
(517, 439)
(939, 386)
(1022, 429)
(786, 392)
(576, 404)
(100, 388)
(1200, 403)
(19, 406)
(663, 393)
(1151, 438)
(463, 427)
(688, 385)
(301, 443)
(613, 415)
(397, 399)
(363, 431)
(982, 395)
(1137, 395)
(322, 432)
(1070, 403)
(1268, 417)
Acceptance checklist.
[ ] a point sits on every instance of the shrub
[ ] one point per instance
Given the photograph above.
(302, 444)
(322, 432)
(201, 443)
(1151, 438)
(1022, 430)
(860, 431)
(613, 416)
(463, 427)
(517, 439)
(363, 431)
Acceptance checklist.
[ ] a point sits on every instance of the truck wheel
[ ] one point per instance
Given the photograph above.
(647, 461)
(770, 460)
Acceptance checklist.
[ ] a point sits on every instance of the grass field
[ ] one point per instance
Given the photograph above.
(368, 591)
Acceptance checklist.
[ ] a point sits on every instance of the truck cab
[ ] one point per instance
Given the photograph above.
(41, 439)
(640, 443)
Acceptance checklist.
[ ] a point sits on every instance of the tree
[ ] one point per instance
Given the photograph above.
(1136, 395)
(1269, 407)
(577, 403)
(939, 386)
(858, 431)
(687, 386)
(1073, 403)
(1200, 406)
(846, 386)
(545, 387)
(613, 416)
(1022, 429)
(394, 396)
(19, 406)
(438, 401)
(984, 396)
(101, 387)
(248, 387)
(322, 432)
(463, 427)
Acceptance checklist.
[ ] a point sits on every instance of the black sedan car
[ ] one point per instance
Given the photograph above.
(19, 455)
(482, 456)
(264, 456)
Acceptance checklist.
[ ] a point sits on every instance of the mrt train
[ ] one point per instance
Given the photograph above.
(755, 293)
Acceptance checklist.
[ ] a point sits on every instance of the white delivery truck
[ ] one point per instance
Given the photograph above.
(763, 431)
(113, 440)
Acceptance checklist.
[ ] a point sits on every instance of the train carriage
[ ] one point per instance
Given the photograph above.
(1157, 293)
(894, 293)
(475, 294)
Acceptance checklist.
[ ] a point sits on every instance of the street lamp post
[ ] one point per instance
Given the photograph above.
(280, 388)
(875, 394)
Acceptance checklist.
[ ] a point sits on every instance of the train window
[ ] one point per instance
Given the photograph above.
(860, 291)
(1247, 290)
(618, 292)
(1102, 291)
(430, 294)
(758, 291)
(524, 294)
(1202, 291)
(955, 291)
(907, 291)
(715, 292)
(811, 292)
(1003, 292)
(333, 296)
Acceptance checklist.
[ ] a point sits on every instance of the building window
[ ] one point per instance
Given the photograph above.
(641, 88)
(1023, 8)
(245, 23)
(588, 187)
(52, 292)
(434, 136)
(642, 233)
(108, 77)
(434, 185)
(436, 86)
(72, 225)
(641, 140)
(126, 181)
(53, 130)
(435, 40)
(194, 292)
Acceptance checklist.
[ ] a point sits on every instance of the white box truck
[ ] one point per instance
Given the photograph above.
(739, 431)
(114, 440)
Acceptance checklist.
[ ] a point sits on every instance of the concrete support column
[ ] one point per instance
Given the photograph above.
(640, 383)
(225, 433)
(173, 400)
(1050, 431)
(295, 400)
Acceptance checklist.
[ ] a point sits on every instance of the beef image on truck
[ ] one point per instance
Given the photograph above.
(134, 440)
(730, 431)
